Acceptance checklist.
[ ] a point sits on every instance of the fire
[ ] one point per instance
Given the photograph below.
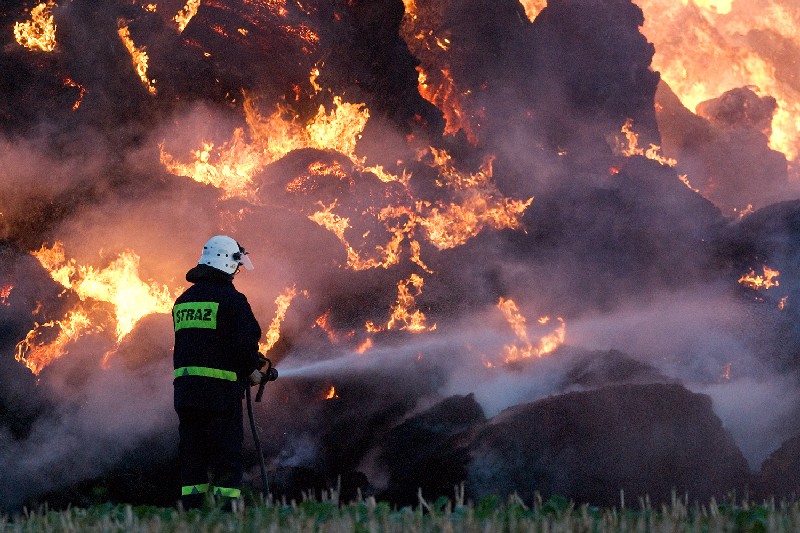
(230, 168)
(385, 255)
(5, 292)
(282, 303)
(686, 34)
(430, 42)
(685, 180)
(631, 147)
(741, 213)
(331, 395)
(82, 90)
(759, 281)
(783, 303)
(323, 322)
(233, 165)
(119, 284)
(40, 31)
(138, 54)
(36, 354)
(533, 7)
(186, 14)
(480, 204)
(524, 348)
(726, 372)
(405, 316)
(440, 90)
(365, 345)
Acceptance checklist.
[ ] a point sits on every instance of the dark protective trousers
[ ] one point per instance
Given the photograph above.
(210, 453)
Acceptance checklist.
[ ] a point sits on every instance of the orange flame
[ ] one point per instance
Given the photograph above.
(118, 284)
(282, 303)
(524, 348)
(481, 204)
(36, 354)
(404, 315)
(331, 395)
(365, 345)
(430, 43)
(186, 14)
(232, 167)
(533, 7)
(686, 34)
(765, 281)
(631, 147)
(138, 55)
(40, 31)
(323, 322)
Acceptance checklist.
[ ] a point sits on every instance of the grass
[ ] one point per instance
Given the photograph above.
(489, 515)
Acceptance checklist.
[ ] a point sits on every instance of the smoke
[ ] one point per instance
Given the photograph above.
(641, 269)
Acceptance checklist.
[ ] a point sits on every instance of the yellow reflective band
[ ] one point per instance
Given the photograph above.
(188, 490)
(205, 372)
(224, 491)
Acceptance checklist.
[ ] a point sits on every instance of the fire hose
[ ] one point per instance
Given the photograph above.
(270, 374)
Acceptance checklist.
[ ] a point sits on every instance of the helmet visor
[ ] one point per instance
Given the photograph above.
(243, 259)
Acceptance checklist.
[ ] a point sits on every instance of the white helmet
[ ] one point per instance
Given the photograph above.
(225, 254)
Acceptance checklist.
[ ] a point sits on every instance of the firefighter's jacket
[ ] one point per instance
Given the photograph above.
(216, 342)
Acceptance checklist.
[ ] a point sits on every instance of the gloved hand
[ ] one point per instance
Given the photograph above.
(255, 377)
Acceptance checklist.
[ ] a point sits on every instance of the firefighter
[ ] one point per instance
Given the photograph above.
(216, 355)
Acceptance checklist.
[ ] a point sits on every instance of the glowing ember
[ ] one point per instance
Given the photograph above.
(38, 33)
(36, 354)
(186, 14)
(765, 281)
(726, 373)
(741, 213)
(331, 395)
(282, 303)
(80, 87)
(783, 303)
(5, 292)
(524, 348)
(138, 55)
(685, 180)
(429, 40)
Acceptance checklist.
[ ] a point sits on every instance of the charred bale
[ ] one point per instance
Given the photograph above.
(589, 446)
(426, 451)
